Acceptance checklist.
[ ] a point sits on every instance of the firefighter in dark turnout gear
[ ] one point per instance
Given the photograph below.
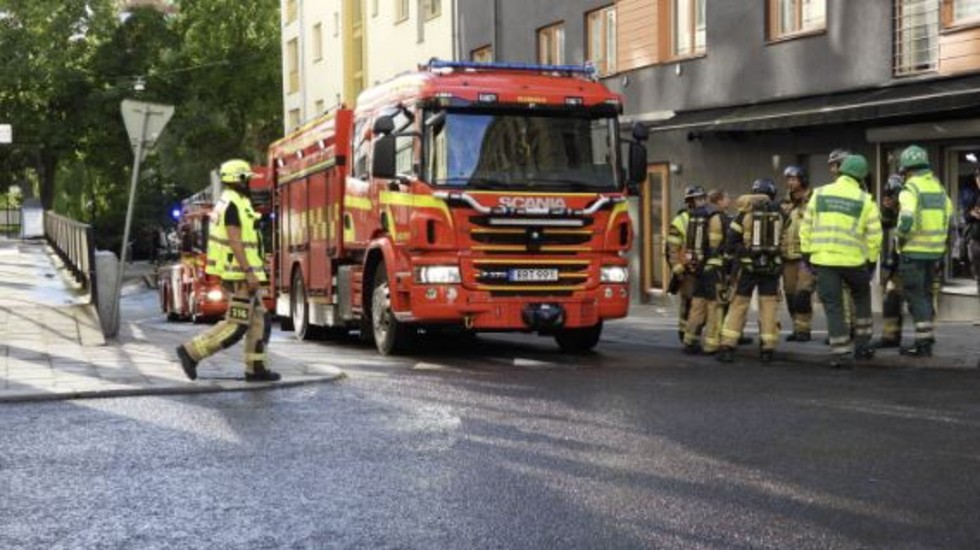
(682, 263)
(705, 237)
(891, 282)
(798, 279)
(753, 243)
(235, 254)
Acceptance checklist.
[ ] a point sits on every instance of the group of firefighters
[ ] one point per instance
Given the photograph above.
(830, 240)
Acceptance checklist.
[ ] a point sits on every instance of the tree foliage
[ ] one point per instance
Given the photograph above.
(68, 64)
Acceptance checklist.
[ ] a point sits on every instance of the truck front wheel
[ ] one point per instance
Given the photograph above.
(579, 340)
(390, 335)
(299, 309)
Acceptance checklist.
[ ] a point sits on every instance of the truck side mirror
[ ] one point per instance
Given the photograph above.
(383, 125)
(383, 159)
(637, 167)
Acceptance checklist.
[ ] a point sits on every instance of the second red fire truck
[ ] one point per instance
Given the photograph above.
(485, 197)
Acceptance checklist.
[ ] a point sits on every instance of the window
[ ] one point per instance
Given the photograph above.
(687, 24)
(336, 24)
(551, 45)
(374, 8)
(916, 36)
(318, 107)
(290, 11)
(600, 39)
(791, 17)
(961, 12)
(483, 54)
(432, 8)
(401, 10)
(293, 119)
(292, 66)
(317, 42)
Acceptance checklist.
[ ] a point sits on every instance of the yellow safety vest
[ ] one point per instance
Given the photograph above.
(926, 211)
(221, 259)
(841, 226)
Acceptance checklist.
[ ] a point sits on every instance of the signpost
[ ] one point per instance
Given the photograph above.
(144, 124)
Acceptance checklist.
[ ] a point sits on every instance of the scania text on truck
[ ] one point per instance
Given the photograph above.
(481, 197)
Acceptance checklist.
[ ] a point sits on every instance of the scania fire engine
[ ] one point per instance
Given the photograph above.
(485, 197)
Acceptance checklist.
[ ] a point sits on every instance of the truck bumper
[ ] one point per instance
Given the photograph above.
(481, 311)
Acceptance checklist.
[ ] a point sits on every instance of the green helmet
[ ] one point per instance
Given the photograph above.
(855, 166)
(913, 157)
(235, 171)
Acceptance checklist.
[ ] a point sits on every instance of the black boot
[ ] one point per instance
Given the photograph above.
(766, 355)
(920, 349)
(262, 375)
(888, 343)
(842, 361)
(680, 335)
(692, 349)
(187, 363)
(725, 355)
(864, 353)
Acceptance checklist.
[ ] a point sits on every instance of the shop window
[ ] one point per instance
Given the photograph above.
(551, 44)
(788, 18)
(687, 28)
(916, 36)
(600, 39)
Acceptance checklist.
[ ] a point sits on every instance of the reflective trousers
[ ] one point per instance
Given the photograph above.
(768, 286)
(705, 316)
(832, 286)
(798, 282)
(256, 330)
(917, 278)
(685, 294)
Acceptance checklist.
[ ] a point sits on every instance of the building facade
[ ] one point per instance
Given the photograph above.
(734, 90)
(334, 49)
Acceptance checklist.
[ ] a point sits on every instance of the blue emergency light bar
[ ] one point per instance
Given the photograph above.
(585, 70)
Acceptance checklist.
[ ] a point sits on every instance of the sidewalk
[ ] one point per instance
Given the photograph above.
(958, 343)
(51, 346)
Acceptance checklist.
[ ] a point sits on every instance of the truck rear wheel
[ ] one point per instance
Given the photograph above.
(299, 308)
(579, 340)
(390, 335)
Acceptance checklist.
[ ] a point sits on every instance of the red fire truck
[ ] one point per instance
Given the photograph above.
(485, 197)
(186, 291)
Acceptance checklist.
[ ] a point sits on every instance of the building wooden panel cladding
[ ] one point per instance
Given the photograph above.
(959, 51)
(636, 24)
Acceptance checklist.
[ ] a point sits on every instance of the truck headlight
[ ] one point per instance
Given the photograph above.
(438, 275)
(614, 274)
(215, 295)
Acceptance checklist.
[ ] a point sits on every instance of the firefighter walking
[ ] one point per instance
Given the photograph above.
(841, 237)
(798, 279)
(234, 254)
(753, 243)
(683, 279)
(705, 237)
(925, 213)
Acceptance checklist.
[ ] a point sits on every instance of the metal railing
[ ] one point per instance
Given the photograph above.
(10, 221)
(75, 244)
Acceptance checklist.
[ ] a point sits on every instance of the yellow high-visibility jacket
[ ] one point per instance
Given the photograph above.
(841, 225)
(221, 259)
(923, 222)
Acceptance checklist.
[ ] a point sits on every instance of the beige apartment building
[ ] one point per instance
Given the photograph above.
(334, 49)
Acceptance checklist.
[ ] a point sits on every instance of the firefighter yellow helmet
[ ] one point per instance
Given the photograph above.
(235, 171)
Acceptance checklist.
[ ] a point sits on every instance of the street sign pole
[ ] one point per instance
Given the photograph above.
(143, 131)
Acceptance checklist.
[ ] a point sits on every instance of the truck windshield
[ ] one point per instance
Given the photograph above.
(509, 150)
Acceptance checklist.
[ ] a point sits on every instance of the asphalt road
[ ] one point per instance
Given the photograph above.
(505, 443)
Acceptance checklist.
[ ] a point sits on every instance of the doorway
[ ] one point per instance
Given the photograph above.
(655, 217)
(962, 162)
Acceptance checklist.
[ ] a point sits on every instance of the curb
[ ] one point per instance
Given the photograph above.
(189, 388)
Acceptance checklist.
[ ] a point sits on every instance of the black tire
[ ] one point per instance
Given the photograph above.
(299, 309)
(391, 336)
(579, 340)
